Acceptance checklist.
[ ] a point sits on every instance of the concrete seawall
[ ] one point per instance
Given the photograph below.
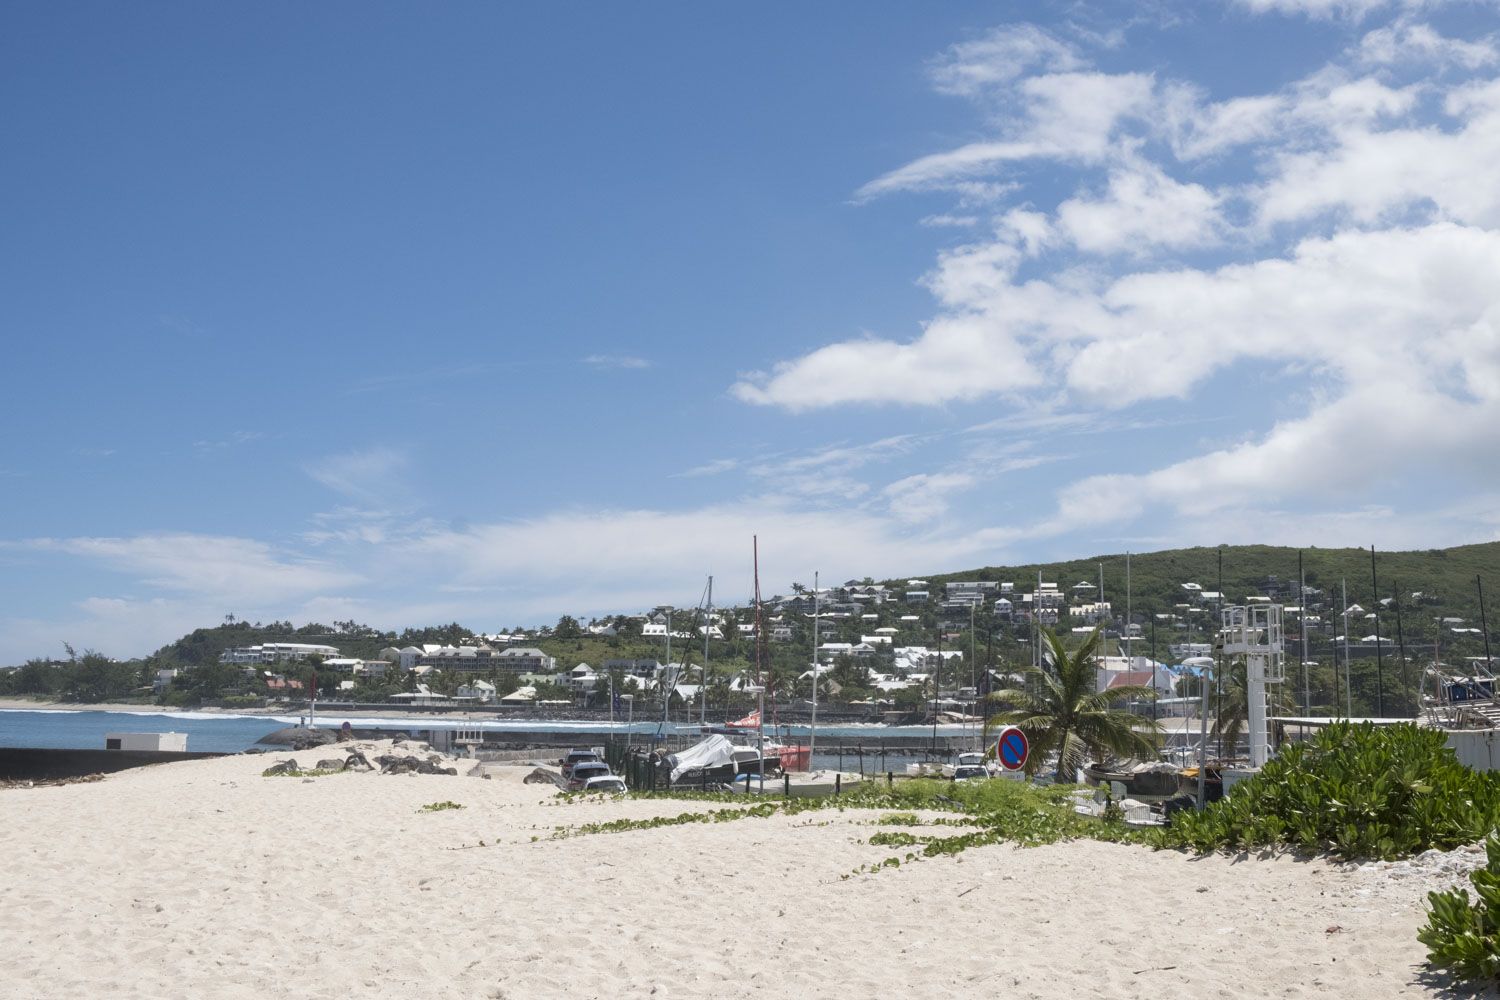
(33, 764)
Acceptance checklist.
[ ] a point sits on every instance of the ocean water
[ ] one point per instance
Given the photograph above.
(217, 732)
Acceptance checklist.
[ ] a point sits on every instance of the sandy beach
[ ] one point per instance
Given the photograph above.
(206, 879)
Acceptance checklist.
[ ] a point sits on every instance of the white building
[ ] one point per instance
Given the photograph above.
(277, 652)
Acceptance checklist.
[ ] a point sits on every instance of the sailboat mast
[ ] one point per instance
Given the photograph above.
(974, 669)
(1302, 620)
(708, 623)
(1401, 643)
(1349, 684)
(812, 739)
(1484, 626)
(760, 668)
(1379, 658)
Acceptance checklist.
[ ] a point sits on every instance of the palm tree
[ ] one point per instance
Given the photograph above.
(1067, 716)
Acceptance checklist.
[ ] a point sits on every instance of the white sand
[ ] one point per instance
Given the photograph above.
(204, 879)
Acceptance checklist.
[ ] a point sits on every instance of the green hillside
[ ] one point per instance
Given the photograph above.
(1446, 577)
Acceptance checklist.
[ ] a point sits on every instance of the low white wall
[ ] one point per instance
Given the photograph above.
(146, 741)
(1476, 748)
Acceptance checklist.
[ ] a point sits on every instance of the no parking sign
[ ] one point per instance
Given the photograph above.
(1012, 748)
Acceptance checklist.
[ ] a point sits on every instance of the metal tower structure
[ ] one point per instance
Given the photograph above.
(1254, 632)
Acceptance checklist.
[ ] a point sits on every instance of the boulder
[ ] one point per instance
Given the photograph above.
(358, 762)
(396, 765)
(288, 766)
(330, 765)
(541, 776)
(309, 739)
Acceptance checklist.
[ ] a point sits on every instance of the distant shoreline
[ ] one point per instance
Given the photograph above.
(27, 705)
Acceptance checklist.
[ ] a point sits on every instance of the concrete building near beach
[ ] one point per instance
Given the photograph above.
(277, 652)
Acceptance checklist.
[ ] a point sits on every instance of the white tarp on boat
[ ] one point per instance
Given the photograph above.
(714, 751)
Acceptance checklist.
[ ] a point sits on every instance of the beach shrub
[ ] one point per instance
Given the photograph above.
(433, 807)
(1358, 791)
(1465, 938)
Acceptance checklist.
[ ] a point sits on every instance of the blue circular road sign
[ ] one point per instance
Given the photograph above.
(1012, 748)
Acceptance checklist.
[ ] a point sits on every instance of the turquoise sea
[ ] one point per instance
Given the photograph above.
(216, 732)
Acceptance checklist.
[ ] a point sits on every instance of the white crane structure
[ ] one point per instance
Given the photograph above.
(1254, 632)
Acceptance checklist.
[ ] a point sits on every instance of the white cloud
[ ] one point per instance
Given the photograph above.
(626, 361)
(369, 475)
(223, 567)
(925, 496)
(610, 559)
(1142, 209)
(1000, 56)
(1319, 9)
(1065, 116)
(947, 219)
(957, 357)
(715, 467)
(1378, 174)
(1405, 42)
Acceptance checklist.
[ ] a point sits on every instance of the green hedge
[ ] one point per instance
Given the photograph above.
(1358, 791)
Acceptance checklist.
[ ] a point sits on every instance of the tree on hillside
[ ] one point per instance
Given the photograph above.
(1064, 714)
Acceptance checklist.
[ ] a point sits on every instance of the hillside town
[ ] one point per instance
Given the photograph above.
(903, 650)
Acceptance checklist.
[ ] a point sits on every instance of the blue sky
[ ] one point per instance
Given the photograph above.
(496, 312)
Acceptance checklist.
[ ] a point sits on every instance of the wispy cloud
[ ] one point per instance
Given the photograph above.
(626, 361)
(232, 441)
(945, 219)
(218, 565)
(718, 466)
(370, 475)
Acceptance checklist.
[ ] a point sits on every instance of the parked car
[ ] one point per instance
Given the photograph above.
(970, 772)
(609, 784)
(575, 757)
(581, 772)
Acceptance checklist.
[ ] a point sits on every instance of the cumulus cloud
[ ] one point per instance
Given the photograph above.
(1141, 209)
(1346, 231)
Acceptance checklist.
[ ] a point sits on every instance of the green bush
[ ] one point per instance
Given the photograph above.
(1358, 791)
(433, 807)
(1462, 938)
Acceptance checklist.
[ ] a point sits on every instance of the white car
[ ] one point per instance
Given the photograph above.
(585, 771)
(609, 784)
